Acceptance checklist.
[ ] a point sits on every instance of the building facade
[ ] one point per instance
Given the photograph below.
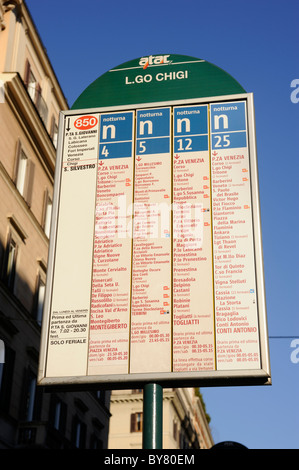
(185, 423)
(30, 101)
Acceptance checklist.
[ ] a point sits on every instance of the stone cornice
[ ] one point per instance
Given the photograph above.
(18, 99)
(40, 50)
(4, 7)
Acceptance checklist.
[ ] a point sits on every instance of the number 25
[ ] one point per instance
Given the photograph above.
(226, 141)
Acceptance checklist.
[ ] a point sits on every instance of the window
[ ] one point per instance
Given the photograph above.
(30, 399)
(33, 87)
(16, 236)
(47, 213)
(21, 173)
(79, 433)
(1, 374)
(54, 131)
(57, 414)
(40, 289)
(35, 92)
(96, 442)
(6, 378)
(136, 422)
(100, 396)
(11, 263)
(40, 301)
(24, 173)
(31, 404)
(55, 135)
(2, 360)
(176, 434)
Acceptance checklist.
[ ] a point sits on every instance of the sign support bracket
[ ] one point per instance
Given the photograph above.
(152, 416)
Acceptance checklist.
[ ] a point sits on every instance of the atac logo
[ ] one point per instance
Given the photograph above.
(154, 60)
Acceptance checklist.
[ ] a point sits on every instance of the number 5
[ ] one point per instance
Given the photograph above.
(226, 140)
(142, 147)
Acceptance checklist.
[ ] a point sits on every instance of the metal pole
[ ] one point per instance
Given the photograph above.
(152, 416)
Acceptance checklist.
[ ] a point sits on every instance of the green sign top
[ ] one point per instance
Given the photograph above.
(155, 78)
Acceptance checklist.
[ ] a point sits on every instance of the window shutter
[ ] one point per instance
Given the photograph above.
(38, 94)
(27, 73)
(28, 190)
(52, 127)
(45, 203)
(133, 422)
(17, 157)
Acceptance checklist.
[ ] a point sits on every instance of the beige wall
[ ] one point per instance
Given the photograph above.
(23, 215)
(177, 404)
(26, 127)
(19, 42)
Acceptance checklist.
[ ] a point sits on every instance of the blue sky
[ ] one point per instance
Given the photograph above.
(257, 43)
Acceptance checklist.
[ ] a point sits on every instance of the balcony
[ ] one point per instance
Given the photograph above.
(34, 92)
(38, 434)
(31, 434)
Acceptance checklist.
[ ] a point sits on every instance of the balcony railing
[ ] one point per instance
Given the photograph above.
(31, 434)
(38, 100)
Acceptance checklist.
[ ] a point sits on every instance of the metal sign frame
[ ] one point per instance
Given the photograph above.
(261, 376)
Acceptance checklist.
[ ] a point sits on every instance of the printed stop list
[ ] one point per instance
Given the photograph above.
(165, 275)
(193, 318)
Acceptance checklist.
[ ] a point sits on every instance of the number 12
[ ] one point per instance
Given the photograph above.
(188, 144)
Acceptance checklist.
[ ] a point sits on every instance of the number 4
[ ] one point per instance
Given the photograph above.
(105, 151)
